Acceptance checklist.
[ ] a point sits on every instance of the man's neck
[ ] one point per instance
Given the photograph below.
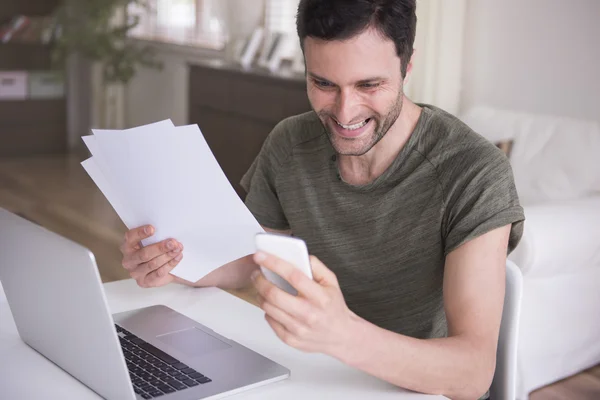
(360, 170)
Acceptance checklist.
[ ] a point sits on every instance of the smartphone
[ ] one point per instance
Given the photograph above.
(288, 248)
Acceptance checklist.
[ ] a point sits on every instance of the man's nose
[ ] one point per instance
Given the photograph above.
(346, 107)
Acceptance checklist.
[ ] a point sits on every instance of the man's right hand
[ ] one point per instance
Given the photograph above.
(150, 265)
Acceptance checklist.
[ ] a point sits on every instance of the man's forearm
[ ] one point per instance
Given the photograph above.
(233, 275)
(450, 366)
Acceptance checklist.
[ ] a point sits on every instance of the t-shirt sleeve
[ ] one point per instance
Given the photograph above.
(480, 196)
(260, 186)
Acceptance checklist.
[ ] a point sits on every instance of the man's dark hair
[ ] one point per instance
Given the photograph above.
(343, 19)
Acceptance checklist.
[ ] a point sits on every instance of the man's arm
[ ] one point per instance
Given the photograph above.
(462, 365)
(234, 275)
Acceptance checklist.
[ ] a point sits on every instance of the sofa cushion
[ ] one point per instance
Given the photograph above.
(560, 238)
(553, 158)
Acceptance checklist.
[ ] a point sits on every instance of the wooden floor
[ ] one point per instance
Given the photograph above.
(55, 192)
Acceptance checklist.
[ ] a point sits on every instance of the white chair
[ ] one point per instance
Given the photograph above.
(504, 384)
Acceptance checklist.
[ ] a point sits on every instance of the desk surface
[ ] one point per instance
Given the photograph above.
(25, 374)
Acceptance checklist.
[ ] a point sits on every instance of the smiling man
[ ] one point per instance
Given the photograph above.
(409, 213)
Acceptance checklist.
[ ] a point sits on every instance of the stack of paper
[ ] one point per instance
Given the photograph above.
(167, 176)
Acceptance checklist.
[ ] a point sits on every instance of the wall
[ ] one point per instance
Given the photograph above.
(539, 56)
(154, 95)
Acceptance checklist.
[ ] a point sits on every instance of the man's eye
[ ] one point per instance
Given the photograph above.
(369, 85)
(323, 84)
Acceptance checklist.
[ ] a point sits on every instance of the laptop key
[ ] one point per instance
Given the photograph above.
(156, 393)
(143, 365)
(137, 341)
(204, 380)
(155, 381)
(188, 371)
(147, 396)
(158, 353)
(190, 382)
(176, 384)
(144, 375)
(196, 375)
(166, 388)
(138, 391)
(179, 366)
(162, 375)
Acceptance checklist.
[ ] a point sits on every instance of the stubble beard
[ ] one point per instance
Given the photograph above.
(382, 126)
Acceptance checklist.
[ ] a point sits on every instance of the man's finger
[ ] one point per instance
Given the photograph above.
(148, 253)
(286, 336)
(290, 323)
(161, 276)
(136, 235)
(295, 306)
(302, 283)
(154, 264)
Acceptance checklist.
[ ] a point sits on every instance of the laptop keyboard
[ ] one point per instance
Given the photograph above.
(153, 372)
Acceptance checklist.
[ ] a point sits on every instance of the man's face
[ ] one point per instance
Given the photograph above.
(355, 86)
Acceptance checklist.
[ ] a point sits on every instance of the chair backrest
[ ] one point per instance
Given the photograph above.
(505, 378)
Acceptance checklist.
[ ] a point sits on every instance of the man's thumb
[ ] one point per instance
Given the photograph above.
(322, 274)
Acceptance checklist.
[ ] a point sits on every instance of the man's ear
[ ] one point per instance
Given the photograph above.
(409, 66)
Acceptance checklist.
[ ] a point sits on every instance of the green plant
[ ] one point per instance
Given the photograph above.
(98, 31)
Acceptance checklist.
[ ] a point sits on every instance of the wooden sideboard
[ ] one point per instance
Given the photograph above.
(236, 109)
(30, 126)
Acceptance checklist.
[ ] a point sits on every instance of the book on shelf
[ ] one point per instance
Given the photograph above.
(25, 29)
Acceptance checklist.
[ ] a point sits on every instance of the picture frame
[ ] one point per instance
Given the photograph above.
(249, 49)
(270, 44)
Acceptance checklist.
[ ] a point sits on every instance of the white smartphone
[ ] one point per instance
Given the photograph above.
(288, 248)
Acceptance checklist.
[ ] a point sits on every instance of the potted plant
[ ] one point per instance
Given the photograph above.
(97, 31)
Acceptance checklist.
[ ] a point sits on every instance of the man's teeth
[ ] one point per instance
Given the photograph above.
(355, 126)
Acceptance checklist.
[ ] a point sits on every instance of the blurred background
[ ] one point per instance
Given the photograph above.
(523, 73)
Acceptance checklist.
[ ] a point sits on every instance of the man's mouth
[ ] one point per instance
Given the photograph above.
(354, 126)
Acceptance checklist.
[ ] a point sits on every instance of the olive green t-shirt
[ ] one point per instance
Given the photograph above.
(387, 240)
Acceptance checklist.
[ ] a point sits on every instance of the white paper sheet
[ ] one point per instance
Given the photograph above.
(97, 176)
(168, 177)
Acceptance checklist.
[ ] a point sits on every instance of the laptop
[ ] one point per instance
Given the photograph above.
(57, 300)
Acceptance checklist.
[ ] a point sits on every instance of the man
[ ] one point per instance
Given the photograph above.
(410, 213)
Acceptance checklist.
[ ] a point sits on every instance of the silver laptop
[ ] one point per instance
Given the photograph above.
(58, 304)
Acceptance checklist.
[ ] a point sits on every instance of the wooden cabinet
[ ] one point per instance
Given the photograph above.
(30, 126)
(236, 109)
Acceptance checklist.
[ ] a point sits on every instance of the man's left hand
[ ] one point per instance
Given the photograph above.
(317, 319)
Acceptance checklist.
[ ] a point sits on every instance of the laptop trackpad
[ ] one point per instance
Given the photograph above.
(193, 342)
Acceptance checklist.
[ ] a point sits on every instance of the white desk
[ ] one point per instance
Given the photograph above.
(25, 374)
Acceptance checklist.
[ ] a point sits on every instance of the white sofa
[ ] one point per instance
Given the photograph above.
(556, 164)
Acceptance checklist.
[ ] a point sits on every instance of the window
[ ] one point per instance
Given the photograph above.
(280, 16)
(191, 22)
